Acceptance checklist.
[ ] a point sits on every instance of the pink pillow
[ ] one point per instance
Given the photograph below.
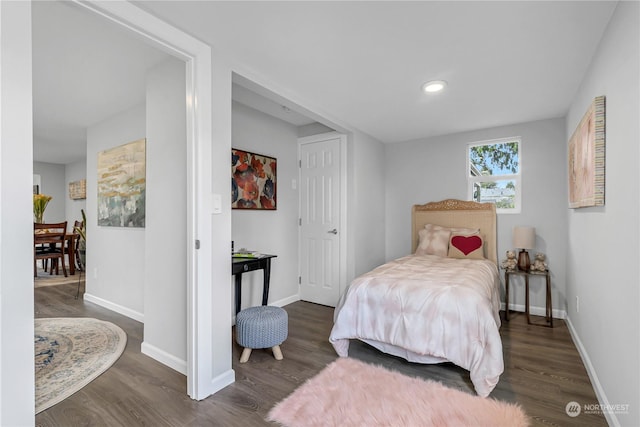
(466, 246)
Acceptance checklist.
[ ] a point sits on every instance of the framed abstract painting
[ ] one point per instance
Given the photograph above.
(587, 158)
(122, 185)
(253, 181)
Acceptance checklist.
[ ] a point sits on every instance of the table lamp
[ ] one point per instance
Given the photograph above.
(524, 238)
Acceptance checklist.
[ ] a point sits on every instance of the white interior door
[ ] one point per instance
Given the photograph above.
(321, 235)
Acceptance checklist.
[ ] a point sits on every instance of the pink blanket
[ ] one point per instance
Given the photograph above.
(427, 309)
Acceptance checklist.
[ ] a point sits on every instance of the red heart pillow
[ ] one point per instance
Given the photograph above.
(461, 246)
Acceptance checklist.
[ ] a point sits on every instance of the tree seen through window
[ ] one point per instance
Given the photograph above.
(494, 173)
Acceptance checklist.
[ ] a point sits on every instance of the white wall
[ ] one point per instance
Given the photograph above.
(74, 172)
(16, 217)
(313, 129)
(165, 285)
(366, 200)
(115, 255)
(52, 179)
(272, 232)
(257, 230)
(219, 159)
(603, 249)
(435, 169)
(255, 131)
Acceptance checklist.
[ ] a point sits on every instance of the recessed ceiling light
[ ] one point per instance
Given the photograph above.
(434, 86)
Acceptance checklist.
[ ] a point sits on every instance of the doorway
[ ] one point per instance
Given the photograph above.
(209, 365)
(201, 380)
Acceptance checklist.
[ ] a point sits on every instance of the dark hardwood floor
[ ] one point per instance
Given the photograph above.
(543, 372)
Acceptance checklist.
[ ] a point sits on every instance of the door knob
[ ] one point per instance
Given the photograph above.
(334, 231)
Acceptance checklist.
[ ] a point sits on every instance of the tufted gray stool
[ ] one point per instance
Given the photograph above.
(261, 327)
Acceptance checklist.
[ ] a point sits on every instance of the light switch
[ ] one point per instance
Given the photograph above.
(294, 184)
(217, 203)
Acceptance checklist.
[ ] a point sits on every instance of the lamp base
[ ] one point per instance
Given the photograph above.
(524, 263)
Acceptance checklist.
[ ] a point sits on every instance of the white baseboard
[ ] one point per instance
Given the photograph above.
(286, 301)
(222, 380)
(125, 311)
(536, 311)
(611, 417)
(164, 358)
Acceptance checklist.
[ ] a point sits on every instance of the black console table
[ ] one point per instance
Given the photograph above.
(243, 265)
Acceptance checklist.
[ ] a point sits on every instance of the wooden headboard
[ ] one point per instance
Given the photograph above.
(458, 213)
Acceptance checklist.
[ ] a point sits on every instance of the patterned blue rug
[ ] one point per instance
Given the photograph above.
(70, 353)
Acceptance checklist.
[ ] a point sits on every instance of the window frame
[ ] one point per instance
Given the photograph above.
(517, 178)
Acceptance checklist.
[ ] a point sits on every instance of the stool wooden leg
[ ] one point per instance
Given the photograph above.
(245, 355)
(277, 353)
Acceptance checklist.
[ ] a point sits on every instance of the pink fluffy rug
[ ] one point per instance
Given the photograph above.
(352, 393)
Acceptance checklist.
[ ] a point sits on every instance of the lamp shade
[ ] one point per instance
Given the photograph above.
(524, 237)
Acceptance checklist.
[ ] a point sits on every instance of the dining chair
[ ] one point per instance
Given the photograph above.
(49, 244)
(76, 246)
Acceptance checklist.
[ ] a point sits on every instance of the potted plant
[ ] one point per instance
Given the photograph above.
(82, 242)
(40, 202)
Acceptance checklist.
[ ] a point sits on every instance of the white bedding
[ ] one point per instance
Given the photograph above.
(427, 309)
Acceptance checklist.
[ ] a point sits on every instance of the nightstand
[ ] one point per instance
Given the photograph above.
(526, 275)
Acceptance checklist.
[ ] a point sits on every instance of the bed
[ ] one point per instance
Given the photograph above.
(435, 305)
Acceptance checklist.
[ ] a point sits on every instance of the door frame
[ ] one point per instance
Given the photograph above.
(342, 235)
(201, 363)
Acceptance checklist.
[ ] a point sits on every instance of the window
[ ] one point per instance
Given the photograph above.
(494, 173)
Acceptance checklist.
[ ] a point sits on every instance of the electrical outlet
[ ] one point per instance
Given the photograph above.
(95, 273)
(577, 304)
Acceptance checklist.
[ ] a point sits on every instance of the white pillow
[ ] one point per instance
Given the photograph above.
(433, 241)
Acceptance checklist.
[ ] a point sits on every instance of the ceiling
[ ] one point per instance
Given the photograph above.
(358, 64)
(86, 70)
